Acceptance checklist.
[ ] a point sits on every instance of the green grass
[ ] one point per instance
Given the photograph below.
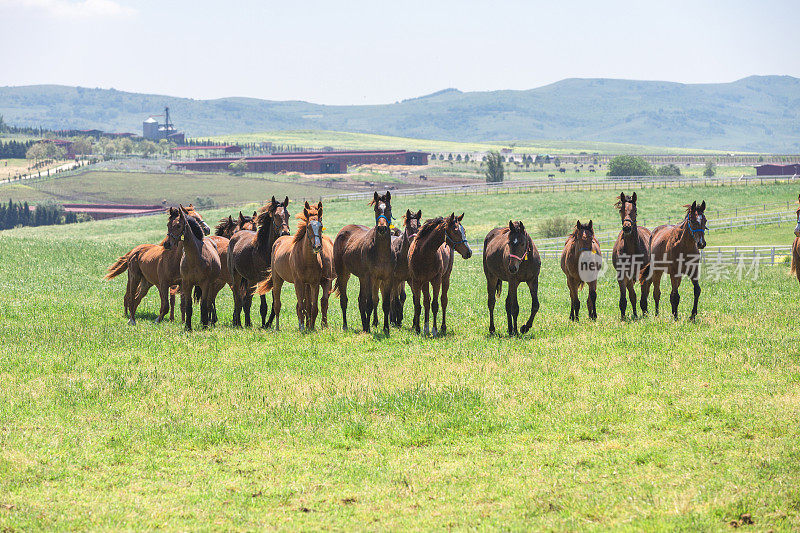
(142, 187)
(366, 141)
(652, 424)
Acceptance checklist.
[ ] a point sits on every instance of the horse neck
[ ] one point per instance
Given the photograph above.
(265, 238)
(381, 242)
(685, 237)
(631, 240)
(435, 239)
(193, 246)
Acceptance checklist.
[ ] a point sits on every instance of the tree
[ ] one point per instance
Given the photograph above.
(557, 162)
(147, 148)
(82, 146)
(669, 170)
(124, 145)
(628, 165)
(3, 126)
(710, 170)
(238, 167)
(494, 167)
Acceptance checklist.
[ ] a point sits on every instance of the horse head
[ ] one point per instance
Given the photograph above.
(797, 227)
(411, 222)
(696, 221)
(383, 211)
(584, 235)
(313, 218)
(190, 211)
(627, 212)
(280, 216)
(175, 226)
(456, 235)
(517, 245)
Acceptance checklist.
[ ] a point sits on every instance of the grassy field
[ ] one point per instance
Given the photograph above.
(149, 188)
(366, 141)
(652, 424)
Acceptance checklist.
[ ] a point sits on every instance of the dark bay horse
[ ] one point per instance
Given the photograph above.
(200, 266)
(250, 257)
(430, 263)
(509, 255)
(153, 264)
(581, 262)
(227, 227)
(796, 245)
(631, 256)
(401, 275)
(366, 253)
(305, 260)
(675, 250)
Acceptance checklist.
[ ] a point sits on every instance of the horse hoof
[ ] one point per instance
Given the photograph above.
(434, 333)
(491, 331)
(131, 322)
(525, 329)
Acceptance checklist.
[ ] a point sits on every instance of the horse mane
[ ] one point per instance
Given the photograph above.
(303, 222)
(619, 203)
(224, 224)
(428, 227)
(264, 217)
(164, 241)
(195, 227)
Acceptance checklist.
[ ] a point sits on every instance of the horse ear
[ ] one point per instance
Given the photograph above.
(578, 224)
(634, 197)
(451, 217)
(307, 205)
(408, 214)
(388, 196)
(274, 201)
(622, 197)
(510, 225)
(521, 225)
(375, 198)
(241, 218)
(319, 204)
(255, 215)
(461, 217)
(230, 219)
(590, 225)
(694, 205)
(703, 206)
(419, 213)
(285, 201)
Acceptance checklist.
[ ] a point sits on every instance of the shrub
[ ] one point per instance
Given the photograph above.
(205, 202)
(710, 170)
(494, 167)
(669, 170)
(629, 165)
(555, 227)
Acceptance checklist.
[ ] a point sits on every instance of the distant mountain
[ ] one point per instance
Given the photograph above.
(759, 113)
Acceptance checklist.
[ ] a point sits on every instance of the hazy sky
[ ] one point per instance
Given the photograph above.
(377, 52)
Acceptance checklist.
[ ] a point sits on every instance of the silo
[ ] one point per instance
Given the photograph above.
(150, 129)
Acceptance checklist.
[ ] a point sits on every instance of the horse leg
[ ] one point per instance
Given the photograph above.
(435, 286)
(374, 289)
(591, 300)
(573, 296)
(533, 286)
(426, 297)
(277, 282)
(445, 289)
(365, 303)
(171, 307)
(386, 295)
(632, 295)
(186, 303)
(491, 289)
(401, 303)
(645, 294)
(623, 300)
(237, 301)
(512, 308)
(141, 292)
(300, 291)
(674, 296)
(246, 304)
(656, 290)
(163, 293)
(326, 294)
(375, 301)
(314, 305)
(415, 289)
(342, 284)
(263, 309)
(696, 286)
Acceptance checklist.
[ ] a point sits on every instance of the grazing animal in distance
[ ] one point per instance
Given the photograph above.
(675, 250)
(430, 263)
(581, 262)
(509, 255)
(631, 256)
(366, 253)
(305, 260)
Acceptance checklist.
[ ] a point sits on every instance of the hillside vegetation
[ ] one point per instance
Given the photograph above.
(753, 114)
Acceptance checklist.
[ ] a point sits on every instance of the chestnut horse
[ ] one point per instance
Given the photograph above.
(675, 250)
(228, 226)
(153, 264)
(366, 253)
(796, 245)
(400, 247)
(250, 259)
(509, 255)
(200, 266)
(306, 260)
(631, 256)
(430, 263)
(581, 262)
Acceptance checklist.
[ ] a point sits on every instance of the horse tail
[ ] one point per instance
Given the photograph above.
(198, 293)
(644, 273)
(794, 261)
(265, 286)
(174, 290)
(336, 289)
(120, 266)
(498, 289)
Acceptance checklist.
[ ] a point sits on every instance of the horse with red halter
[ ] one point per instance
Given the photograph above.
(675, 250)
(430, 263)
(250, 259)
(305, 260)
(796, 245)
(581, 262)
(401, 275)
(227, 227)
(631, 256)
(509, 255)
(200, 266)
(153, 264)
(366, 253)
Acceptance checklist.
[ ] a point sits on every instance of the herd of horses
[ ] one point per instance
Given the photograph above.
(258, 254)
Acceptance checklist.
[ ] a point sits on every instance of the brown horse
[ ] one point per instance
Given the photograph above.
(366, 253)
(581, 262)
(796, 245)
(305, 260)
(228, 226)
(430, 263)
(251, 256)
(509, 255)
(400, 247)
(675, 250)
(200, 266)
(631, 256)
(153, 264)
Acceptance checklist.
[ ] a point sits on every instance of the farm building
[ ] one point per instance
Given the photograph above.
(154, 131)
(208, 150)
(308, 162)
(778, 170)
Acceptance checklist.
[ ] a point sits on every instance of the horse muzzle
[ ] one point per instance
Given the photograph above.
(513, 268)
(383, 229)
(626, 229)
(467, 252)
(206, 228)
(797, 230)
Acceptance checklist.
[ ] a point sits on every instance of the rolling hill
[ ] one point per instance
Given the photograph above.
(758, 113)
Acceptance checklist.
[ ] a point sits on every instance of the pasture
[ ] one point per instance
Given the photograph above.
(650, 424)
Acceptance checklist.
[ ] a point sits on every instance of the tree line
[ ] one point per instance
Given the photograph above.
(15, 149)
(48, 213)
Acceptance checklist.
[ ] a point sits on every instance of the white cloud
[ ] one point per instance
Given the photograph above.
(79, 9)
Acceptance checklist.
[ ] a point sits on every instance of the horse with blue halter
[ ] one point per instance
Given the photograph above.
(675, 250)
(367, 254)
